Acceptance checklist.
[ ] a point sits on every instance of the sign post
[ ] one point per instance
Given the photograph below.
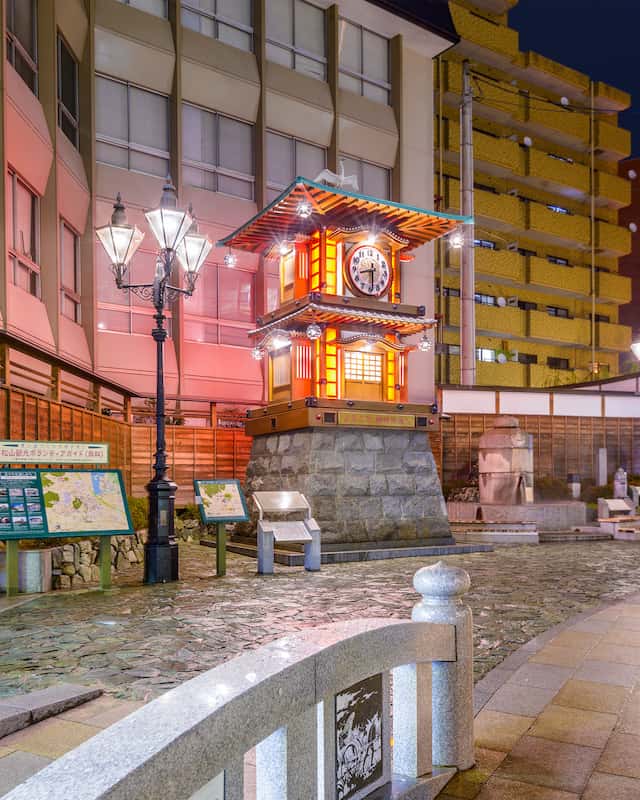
(221, 501)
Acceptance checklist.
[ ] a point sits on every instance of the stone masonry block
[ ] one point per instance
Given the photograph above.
(392, 507)
(353, 485)
(395, 440)
(401, 484)
(377, 485)
(329, 462)
(373, 441)
(389, 462)
(349, 442)
(415, 462)
(284, 443)
(359, 462)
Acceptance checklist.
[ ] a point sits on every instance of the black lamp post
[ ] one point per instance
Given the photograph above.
(177, 237)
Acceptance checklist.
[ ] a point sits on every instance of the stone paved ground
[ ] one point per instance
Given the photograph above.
(139, 641)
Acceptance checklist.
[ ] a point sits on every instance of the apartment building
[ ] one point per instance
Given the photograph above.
(547, 201)
(232, 98)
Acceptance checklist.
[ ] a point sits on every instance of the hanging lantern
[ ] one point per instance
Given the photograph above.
(230, 259)
(314, 331)
(425, 344)
(257, 354)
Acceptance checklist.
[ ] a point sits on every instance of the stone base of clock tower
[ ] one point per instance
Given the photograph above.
(364, 485)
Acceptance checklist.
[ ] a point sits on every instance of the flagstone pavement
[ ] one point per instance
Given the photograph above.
(558, 717)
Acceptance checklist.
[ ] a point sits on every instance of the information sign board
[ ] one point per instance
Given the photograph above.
(19, 452)
(41, 503)
(221, 501)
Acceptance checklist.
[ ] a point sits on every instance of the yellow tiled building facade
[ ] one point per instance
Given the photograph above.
(546, 253)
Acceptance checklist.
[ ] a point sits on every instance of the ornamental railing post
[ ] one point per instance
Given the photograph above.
(442, 588)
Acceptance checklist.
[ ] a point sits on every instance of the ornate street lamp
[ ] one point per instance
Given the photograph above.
(177, 237)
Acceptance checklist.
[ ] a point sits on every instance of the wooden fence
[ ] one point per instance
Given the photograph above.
(561, 445)
(192, 452)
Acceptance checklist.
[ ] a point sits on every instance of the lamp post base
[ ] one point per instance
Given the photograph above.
(161, 562)
(161, 549)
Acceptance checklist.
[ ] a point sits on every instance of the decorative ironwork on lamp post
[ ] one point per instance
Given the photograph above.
(177, 236)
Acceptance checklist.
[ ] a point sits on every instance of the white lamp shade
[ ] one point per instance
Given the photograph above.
(120, 242)
(169, 226)
(193, 251)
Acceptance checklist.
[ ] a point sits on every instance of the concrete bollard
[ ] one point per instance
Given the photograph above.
(442, 588)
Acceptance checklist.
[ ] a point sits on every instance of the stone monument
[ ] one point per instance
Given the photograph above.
(506, 464)
(620, 488)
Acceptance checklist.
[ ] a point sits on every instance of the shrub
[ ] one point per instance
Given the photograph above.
(549, 488)
(188, 512)
(139, 508)
(591, 492)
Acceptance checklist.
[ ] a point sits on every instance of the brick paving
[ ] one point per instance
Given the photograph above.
(137, 642)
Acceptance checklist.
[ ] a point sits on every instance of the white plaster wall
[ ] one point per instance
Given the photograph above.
(524, 403)
(571, 405)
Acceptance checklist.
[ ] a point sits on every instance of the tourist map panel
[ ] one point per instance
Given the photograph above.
(41, 503)
(221, 501)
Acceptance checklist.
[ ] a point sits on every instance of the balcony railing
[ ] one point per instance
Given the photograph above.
(613, 288)
(541, 325)
(484, 33)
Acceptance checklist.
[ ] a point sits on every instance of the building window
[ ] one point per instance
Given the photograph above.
(558, 363)
(217, 153)
(132, 127)
(364, 62)
(24, 236)
(229, 21)
(527, 253)
(525, 305)
(485, 299)
(563, 262)
(296, 37)
(124, 312)
(601, 318)
(558, 209)
(22, 51)
(373, 180)
(557, 311)
(70, 272)
(485, 243)
(156, 7)
(527, 358)
(450, 291)
(485, 354)
(452, 349)
(67, 92)
(287, 158)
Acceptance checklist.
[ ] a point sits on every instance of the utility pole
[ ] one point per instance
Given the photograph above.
(467, 255)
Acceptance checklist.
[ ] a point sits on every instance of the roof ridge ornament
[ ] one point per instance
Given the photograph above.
(338, 179)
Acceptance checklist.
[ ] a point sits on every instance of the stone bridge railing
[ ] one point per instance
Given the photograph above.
(317, 708)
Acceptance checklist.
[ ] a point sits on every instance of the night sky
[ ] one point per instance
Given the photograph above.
(598, 37)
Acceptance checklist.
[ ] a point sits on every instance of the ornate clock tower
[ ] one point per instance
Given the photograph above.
(338, 425)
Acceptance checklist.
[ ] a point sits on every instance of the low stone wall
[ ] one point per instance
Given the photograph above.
(552, 516)
(75, 564)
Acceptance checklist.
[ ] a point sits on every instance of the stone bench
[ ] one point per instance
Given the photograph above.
(306, 531)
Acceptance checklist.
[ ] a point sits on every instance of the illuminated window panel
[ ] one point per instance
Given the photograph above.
(372, 367)
(303, 361)
(332, 266)
(317, 371)
(331, 360)
(315, 265)
(391, 376)
(281, 369)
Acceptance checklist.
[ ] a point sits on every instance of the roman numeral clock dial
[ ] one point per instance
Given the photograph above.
(368, 271)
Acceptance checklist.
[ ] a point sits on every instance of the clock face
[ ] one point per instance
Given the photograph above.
(368, 271)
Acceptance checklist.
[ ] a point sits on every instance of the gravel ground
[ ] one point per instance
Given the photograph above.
(139, 641)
